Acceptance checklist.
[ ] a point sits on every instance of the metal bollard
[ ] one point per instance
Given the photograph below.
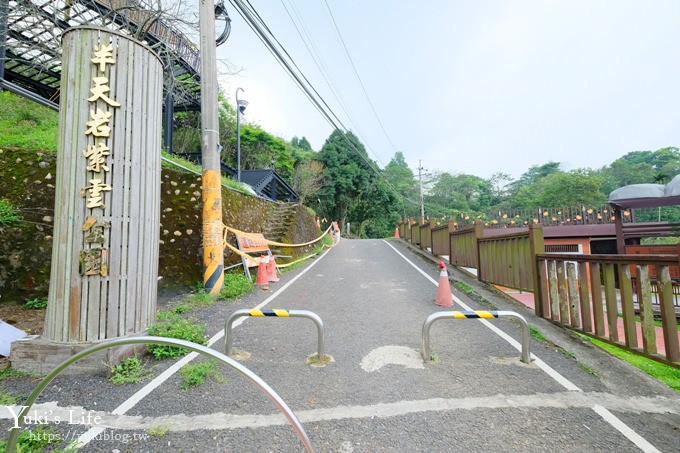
(228, 337)
(480, 314)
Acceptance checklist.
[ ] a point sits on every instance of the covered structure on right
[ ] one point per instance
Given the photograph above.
(638, 196)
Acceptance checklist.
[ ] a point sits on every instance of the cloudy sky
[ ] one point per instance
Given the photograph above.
(470, 86)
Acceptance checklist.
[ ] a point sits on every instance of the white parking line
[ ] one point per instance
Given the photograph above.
(131, 402)
(610, 418)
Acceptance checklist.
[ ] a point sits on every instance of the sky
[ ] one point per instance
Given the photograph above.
(469, 86)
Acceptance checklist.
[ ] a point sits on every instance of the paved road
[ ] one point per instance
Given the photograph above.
(377, 395)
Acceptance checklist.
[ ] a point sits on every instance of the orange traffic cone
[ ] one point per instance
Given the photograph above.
(271, 270)
(396, 233)
(443, 297)
(261, 280)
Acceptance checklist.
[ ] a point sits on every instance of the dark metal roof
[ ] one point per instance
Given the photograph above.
(32, 64)
(649, 202)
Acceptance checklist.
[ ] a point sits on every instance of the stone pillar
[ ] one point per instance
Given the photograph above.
(103, 281)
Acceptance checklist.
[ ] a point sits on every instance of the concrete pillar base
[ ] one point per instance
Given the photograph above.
(35, 354)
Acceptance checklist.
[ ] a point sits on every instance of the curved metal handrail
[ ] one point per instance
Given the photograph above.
(255, 379)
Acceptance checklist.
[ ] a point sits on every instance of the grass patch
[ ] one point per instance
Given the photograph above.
(26, 124)
(7, 399)
(158, 430)
(10, 373)
(195, 374)
(193, 166)
(200, 299)
(37, 440)
(173, 326)
(537, 334)
(235, 286)
(9, 214)
(130, 371)
(36, 304)
(464, 287)
(664, 373)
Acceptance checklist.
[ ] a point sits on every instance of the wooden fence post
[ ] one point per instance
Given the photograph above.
(479, 233)
(537, 247)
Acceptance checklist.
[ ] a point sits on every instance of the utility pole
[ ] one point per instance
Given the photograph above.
(213, 250)
(420, 177)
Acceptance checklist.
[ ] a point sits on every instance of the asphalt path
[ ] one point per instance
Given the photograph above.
(377, 394)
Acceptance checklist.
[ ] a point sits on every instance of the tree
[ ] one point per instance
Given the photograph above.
(346, 174)
(308, 180)
(401, 178)
(574, 188)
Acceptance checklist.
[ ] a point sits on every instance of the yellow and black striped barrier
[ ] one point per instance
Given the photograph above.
(273, 312)
(478, 314)
(276, 313)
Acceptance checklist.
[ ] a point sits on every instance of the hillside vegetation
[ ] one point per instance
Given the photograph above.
(340, 182)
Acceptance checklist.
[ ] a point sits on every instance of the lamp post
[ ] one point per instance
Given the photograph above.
(240, 108)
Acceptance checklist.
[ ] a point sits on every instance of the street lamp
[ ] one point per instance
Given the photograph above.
(240, 108)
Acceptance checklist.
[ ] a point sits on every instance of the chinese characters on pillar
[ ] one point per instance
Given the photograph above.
(93, 256)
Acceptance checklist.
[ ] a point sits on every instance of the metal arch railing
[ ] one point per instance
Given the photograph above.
(255, 379)
(526, 353)
(228, 337)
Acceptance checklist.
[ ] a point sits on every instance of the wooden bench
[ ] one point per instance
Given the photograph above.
(252, 244)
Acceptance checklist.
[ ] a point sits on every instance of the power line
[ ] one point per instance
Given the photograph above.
(368, 98)
(260, 28)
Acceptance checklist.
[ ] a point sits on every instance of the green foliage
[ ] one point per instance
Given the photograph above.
(7, 399)
(175, 327)
(36, 304)
(346, 175)
(664, 373)
(235, 285)
(259, 149)
(35, 441)
(26, 124)
(130, 371)
(195, 374)
(9, 214)
(537, 334)
(200, 299)
(158, 430)
(464, 287)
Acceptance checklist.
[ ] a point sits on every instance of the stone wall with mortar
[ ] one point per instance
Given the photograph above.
(27, 181)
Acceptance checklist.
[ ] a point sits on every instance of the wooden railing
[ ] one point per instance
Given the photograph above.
(426, 234)
(611, 297)
(508, 260)
(463, 246)
(440, 239)
(594, 294)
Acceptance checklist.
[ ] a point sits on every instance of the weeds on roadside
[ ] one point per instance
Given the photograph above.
(235, 285)
(158, 430)
(130, 371)
(37, 440)
(195, 374)
(7, 399)
(464, 287)
(9, 214)
(175, 327)
(36, 304)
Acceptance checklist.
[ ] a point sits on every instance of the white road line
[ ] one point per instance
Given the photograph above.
(220, 420)
(131, 402)
(610, 418)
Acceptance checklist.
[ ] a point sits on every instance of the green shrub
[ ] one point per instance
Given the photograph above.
(36, 304)
(235, 285)
(175, 327)
(130, 371)
(9, 215)
(195, 374)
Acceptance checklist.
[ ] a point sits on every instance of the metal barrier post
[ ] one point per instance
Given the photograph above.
(255, 379)
(480, 314)
(228, 337)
